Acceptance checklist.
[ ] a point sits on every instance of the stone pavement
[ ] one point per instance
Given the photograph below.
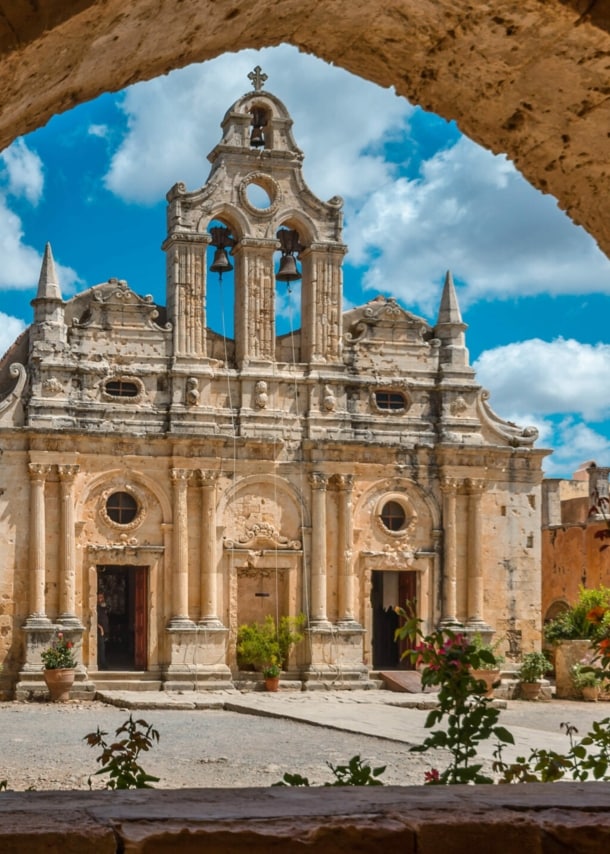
(379, 713)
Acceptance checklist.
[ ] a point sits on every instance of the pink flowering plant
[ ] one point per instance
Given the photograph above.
(59, 655)
(446, 660)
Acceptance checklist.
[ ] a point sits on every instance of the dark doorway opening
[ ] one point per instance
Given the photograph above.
(125, 590)
(389, 589)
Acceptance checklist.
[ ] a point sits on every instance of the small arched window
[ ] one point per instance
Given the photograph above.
(121, 388)
(390, 400)
(393, 516)
(122, 508)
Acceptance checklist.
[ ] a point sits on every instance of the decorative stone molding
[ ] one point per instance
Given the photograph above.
(137, 495)
(126, 378)
(269, 185)
(262, 535)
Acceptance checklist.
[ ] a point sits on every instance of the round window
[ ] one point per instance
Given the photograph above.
(393, 516)
(122, 508)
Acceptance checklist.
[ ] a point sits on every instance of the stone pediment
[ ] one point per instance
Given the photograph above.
(262, 536)
(113, 305)
(384, 318)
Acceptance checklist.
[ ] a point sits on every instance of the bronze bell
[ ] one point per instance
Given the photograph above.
(221, 263)
(257, 137)
(288, 271)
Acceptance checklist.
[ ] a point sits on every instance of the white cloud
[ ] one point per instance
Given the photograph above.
(546, 378)
(473, 213)
(23, 173)
(174, 122)
(10, 329)
(574, 443)
(20, 268)
(555, 386)
(100, 131)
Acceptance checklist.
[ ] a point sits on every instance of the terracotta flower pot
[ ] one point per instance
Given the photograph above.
(529, 690)
(590, 693)
(59, 682)
(272, 683)
(489, 677)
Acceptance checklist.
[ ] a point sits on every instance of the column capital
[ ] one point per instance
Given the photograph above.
(318, 480)
(67, 473)
(207, 479)
(449, 485)
(181, 475)
(474, 487)
(37, 471)
(343, 482)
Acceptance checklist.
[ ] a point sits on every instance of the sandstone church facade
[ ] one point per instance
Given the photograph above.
(202, 481)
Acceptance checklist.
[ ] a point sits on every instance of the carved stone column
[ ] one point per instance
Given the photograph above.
(38, 474)
(449, 488)
(344, 483)
(67, 566)
(209, 571)
(180, 576)
(321, 327)
(186, 289)
(254, 300)
(475, 489)
(319, 483)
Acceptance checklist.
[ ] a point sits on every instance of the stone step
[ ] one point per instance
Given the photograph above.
(121, 680)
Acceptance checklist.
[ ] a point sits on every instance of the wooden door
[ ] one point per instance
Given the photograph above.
(407, 591)
(140, 617)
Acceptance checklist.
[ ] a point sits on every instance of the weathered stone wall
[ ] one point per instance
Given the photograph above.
(457, 819)
(526, 78)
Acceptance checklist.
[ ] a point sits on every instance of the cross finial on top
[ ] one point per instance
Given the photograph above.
(257, 78)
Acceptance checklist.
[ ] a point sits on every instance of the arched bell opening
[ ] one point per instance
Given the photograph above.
(288, 289)
(220, 292)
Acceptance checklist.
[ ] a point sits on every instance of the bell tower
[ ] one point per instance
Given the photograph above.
(256, 190)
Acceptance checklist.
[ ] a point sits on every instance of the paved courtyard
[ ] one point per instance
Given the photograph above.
(251, 739)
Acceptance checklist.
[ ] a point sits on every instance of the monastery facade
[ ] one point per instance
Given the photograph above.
(201, 482)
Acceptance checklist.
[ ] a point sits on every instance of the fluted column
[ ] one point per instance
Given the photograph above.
(321, 326)
(319, 483)
(254, 300)
(344, 483)
(38, 475)
(209, 571)
(449, 488)
(67, 582)
(475, 489)
(180, 576)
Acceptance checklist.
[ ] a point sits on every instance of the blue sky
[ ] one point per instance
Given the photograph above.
(420, 198)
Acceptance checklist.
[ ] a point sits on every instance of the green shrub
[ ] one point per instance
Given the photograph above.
(260, 645)
(533, 667)
(575, 623)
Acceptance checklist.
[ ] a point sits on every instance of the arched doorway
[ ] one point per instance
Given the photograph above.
(125, 591)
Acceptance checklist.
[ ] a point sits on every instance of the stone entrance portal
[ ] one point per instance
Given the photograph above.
(388, 589)
(125, 589)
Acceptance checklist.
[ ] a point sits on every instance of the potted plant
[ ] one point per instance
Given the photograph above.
(489, 661)
(266, 647)
(271, 674)
(586, 680)
(59, 665)
(573, 631)
(534, 666)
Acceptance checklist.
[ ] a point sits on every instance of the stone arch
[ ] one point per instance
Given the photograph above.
(495, 75)
(278, 486)
(137, 478)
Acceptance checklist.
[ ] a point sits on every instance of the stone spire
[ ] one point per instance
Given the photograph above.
(449, 312)
(450, 329)
(48, 284)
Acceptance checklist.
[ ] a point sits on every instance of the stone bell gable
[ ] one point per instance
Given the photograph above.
(202, 480)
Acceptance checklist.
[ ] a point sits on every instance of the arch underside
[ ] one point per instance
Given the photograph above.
(531, 80)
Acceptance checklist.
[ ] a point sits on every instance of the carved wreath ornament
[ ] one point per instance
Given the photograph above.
(262, 535)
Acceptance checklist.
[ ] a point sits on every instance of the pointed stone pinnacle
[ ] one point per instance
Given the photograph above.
(48, 283)
(449, 311)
